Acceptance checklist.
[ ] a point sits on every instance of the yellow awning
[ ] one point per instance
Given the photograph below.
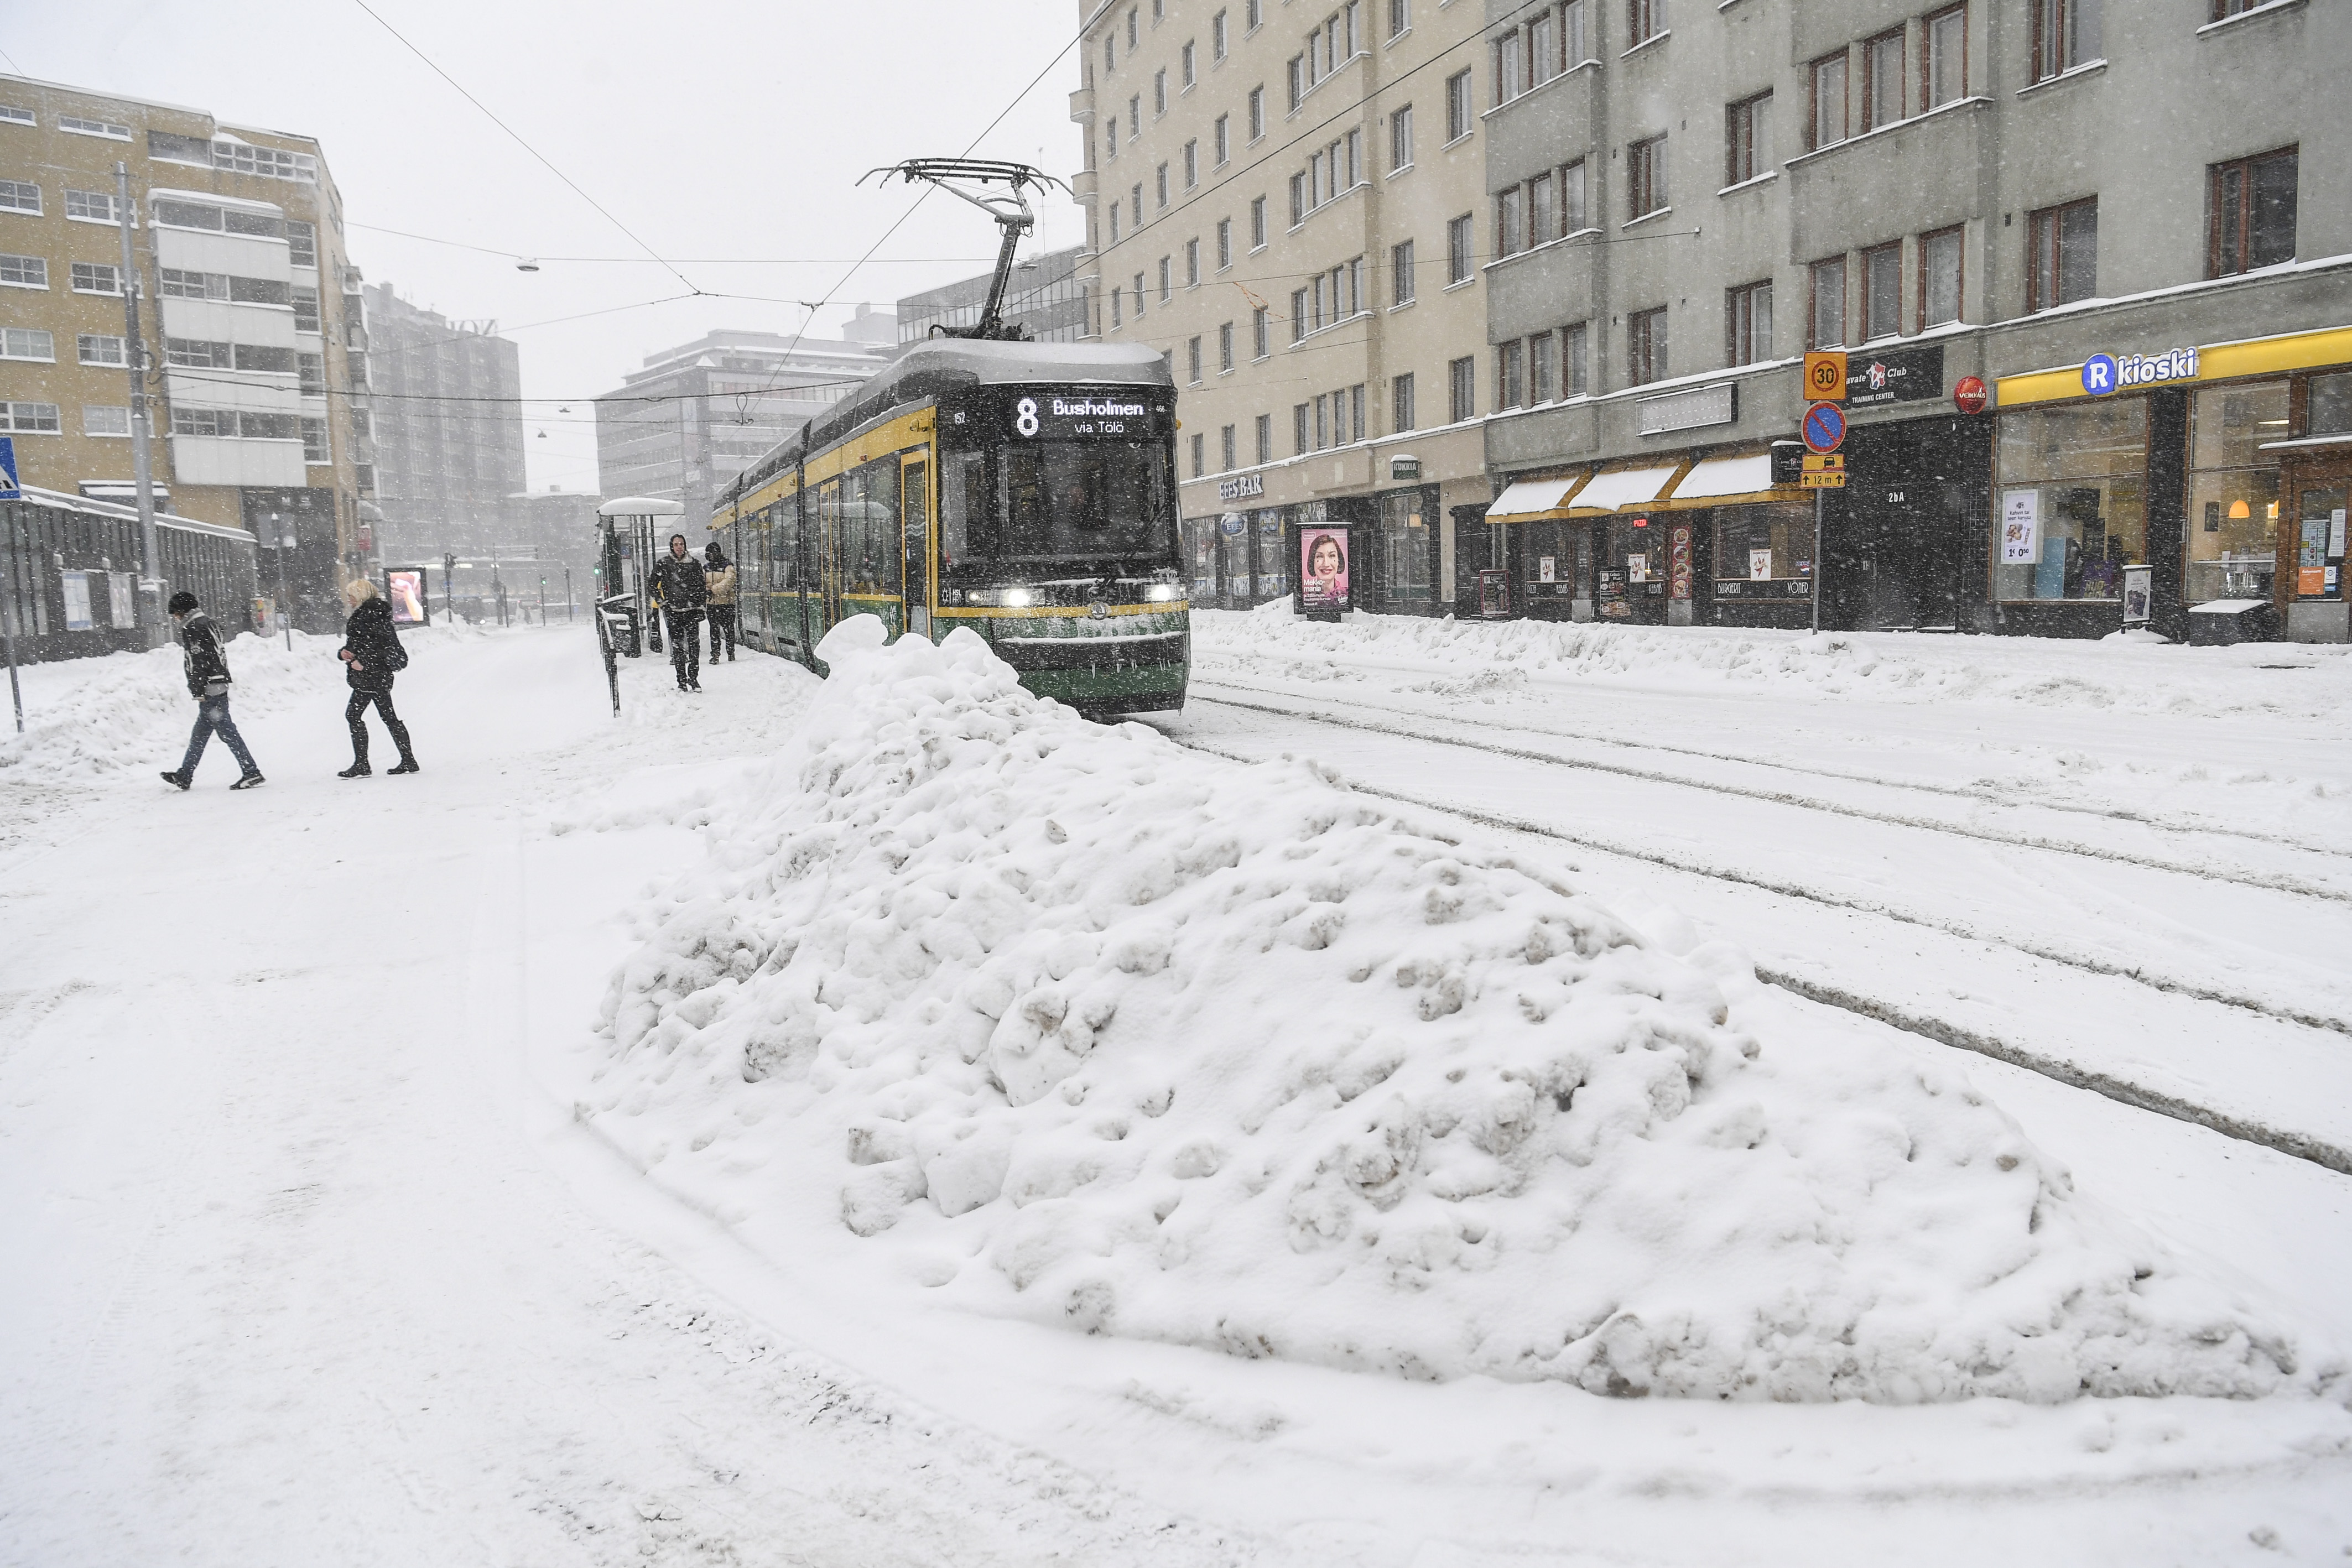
(1534, 500)
(1625, 489)
(1739, 481)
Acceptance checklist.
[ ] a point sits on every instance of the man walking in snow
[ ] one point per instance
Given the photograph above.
(680, 591)
(208, 683)
(719, 576)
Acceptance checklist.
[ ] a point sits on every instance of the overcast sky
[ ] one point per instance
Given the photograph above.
(711, 130)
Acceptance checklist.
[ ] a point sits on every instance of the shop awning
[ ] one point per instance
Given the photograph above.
(1728, 482)
(1618, 490)
(1533, 500)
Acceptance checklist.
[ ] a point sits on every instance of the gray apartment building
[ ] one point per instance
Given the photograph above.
(2089, 262)
(691, 418)
(449, 429)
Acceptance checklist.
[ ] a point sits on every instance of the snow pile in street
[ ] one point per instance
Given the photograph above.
(2117, 674)
(1077, 1025)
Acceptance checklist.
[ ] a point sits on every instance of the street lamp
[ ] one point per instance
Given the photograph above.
(284, 537)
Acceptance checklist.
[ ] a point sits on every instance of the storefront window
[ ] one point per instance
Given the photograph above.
(1632, 577)
(1272, 580)
(1547, 562)
(2071, 500)
(1204, 532)
(2233, 490)
(2331, 404)
(1764, 543)
(1234, 529)
(1404, 551)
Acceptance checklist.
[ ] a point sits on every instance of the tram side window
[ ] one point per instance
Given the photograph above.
(963, 505)
(824, 556)
(869, 562)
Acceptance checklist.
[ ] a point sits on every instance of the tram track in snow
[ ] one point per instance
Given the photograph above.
(2331, 1152)
(2263, 881)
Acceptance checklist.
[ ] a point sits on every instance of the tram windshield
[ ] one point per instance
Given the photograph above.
(1063, 499)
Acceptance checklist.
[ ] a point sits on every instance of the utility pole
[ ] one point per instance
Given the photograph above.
(542, 601)
(285, 543)
(8, 609)
(570, 616)
(448, 587)
(151, 577)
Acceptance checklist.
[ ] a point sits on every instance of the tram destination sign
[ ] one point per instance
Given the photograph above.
(1084, 413)
(1901, 375)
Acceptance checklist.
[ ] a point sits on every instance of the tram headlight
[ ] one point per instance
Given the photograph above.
(1162, 592)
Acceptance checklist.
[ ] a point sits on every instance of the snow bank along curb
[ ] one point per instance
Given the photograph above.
(1076, 1025)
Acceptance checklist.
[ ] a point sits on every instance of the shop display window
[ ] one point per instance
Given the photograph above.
(1634, 568)
(2071, 501)
(2233, 490)
(2331, 404)
(1548, 561)
(1405, 552)
(1764, 543)
(1272, 578)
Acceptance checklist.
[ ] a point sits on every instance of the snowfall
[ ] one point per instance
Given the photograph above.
(1455, 1094)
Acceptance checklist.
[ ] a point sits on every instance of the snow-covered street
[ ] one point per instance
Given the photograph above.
(337, 1231)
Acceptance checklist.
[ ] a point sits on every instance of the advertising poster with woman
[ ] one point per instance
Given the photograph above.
(405, 593)
(1323, 569)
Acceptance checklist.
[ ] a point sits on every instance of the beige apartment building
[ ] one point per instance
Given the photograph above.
(1284, 197)
(248, 309)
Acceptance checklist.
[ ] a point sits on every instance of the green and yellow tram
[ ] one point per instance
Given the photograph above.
(1024, 491)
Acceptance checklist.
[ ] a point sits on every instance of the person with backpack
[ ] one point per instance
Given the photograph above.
(208, 683)
(718, 577)
(371, 656)
(682, 592)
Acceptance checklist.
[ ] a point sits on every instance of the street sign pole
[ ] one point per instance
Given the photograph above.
(8, 609)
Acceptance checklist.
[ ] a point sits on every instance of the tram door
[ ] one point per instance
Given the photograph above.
(915, 510)
(828, 554)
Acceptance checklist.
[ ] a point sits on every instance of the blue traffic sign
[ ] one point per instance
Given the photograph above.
(1824, 426)
(9, 489)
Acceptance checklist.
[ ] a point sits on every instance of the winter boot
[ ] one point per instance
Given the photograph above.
(177, 781)
(407, 765)
(249, 781)
(356, 770)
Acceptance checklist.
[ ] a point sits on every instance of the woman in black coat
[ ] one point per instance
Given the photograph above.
(371, 656)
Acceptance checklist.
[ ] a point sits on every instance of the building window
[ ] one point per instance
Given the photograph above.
(1188, 54)
(1458, 110)
(1256, 113)
(1401, 273)
(174, 284)
(1645, 20)
(1297, 314)
(1747, 314)
(2234, 491)
(2065, 36)
(1301, 436)
(1167, 278)
(105, 419)
(1225, 450)
(1939, 277)
(1510, 66)
(1543, 48)
(1135, 214)
(1135, 117)
(305, 308)
(2253, 205)
(20, 196)
(1827, 126)
(1297, 200)
(1218, 44)
(1139, 296)
(12, 115)
(100, 348)
(1748, 139)
(1191, 164)
(1573, 359)
(1160, 91)
(1114, 222)
(1223, 133)
(31, 419)
(1882, 291)
(1543, 212)
(2063, 265)
(1297, 80)
(1510, 222)
(244, 158)
(95, 278)
(1192, 264)
(1457, 250)
(27, 343)
(1258, 223)
(1117, 299)
(1265, 438)
(1943, 74)
(105, 128)
(1543, 367)
(1645, 347)
(314, 442)
(1261, 331)
(1193, 363)
(1825, 307)
(1462, 389)
(1882, 80)
(1510, 374)
(1400, 403)
(1160, 187)
(1401, 139)
(1575, 41)
(1575, 215)
(1645, 177)
(311, 371)
(92, 206)
(1224, 244)
(23, 272)
(1200, 455)
(1225, 348)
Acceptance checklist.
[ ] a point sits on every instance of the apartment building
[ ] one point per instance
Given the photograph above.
(691, 418)
(2090, 262)
(1284, 197)
(247, 305)
(449, 430)
(1046, 299)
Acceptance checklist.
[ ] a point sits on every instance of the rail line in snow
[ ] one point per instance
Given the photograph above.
(2268, 882)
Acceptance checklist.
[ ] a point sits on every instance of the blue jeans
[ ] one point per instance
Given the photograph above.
(212, 714)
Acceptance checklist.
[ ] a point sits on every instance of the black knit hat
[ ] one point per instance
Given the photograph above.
(182, 602)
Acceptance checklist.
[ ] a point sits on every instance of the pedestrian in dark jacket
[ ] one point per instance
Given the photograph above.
(208, 683)
(681, 591)
(371, 656)
(718, 577)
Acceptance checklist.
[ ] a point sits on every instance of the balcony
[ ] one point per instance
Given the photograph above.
(226, 460)
(1082, 106)
(1083, 187)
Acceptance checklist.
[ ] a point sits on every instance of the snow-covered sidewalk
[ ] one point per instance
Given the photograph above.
(321, 1247)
